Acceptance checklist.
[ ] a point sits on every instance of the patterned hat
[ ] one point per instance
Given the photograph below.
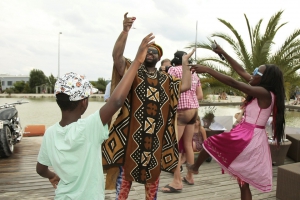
(159, 49)
(74, 85)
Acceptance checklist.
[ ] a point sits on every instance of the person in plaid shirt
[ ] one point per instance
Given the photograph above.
(187, 112)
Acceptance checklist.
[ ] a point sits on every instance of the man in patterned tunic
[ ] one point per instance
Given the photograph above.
(142, 139)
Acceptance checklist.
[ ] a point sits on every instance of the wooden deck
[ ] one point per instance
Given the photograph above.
(19, 180)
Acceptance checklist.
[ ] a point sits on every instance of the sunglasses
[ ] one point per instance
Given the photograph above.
(153, 51)
(256, 72)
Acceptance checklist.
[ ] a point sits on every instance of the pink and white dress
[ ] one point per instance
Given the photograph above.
(244, 151)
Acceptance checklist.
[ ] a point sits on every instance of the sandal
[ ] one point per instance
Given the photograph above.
(186, 181)
(171, 189)
(190, 169)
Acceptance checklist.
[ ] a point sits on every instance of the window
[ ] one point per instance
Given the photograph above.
(9, 83)
(3, 83)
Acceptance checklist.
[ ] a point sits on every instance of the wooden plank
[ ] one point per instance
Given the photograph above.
(19, 180)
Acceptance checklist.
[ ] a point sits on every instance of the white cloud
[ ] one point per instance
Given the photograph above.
(29, 29)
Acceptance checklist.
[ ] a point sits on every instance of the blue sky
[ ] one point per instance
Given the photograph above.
(30, 29)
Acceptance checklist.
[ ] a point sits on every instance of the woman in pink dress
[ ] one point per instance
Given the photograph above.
(244, 152)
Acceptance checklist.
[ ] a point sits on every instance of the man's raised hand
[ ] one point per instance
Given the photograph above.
(127, 22)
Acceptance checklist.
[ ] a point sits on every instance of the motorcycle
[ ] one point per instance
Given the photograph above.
(11, 131)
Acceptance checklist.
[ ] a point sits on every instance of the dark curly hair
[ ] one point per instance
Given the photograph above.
(272, 80)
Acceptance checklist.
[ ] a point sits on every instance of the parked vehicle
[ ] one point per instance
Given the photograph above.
(10, 128)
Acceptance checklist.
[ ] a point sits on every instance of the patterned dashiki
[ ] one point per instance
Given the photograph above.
(143, 137)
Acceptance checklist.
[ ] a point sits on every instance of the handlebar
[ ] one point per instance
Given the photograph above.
(12, 104)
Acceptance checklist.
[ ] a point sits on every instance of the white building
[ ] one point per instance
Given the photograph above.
(7, 81)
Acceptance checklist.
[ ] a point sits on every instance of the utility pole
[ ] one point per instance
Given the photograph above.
(58, 73)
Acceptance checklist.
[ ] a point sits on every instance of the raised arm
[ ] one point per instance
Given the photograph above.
(118, 58)
(234, 64)
(120, 93)
(186, 82)
(199, 92)
(255, 91)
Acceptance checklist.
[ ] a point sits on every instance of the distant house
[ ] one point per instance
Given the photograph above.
(7, 81)
(44, 88)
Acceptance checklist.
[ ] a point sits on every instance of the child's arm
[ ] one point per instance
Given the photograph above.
(256, 91)
(120, 93)
(233, 63)
(44, 171)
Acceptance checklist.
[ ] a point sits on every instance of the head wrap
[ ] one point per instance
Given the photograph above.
(75, 86)
(159, 49)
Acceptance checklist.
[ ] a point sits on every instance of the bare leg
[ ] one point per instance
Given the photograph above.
(203, 155)
(188, 140)
(182, 158)
(245, 192)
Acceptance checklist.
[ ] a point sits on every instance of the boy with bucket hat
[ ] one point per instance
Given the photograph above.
(72, 146)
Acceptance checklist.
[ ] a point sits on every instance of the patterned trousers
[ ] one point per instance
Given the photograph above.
(123, 187)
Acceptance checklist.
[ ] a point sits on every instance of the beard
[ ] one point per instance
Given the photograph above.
(150, 62)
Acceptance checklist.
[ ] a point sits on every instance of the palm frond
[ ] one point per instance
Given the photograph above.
(241, 48)
(288, 42)
(256, 32)
(249, 31)
(235, 46)
(287, 57)
(273, 22)
(263, 44)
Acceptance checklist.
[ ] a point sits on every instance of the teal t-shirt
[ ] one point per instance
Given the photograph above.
(74, 152)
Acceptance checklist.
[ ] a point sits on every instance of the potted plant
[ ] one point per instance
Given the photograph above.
(209, 115)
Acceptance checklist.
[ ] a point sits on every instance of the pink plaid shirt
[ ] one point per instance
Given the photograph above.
(188, 99)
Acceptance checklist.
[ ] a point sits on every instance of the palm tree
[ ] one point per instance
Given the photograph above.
(287, 57)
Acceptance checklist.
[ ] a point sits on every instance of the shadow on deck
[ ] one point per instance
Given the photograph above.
(19, 180)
